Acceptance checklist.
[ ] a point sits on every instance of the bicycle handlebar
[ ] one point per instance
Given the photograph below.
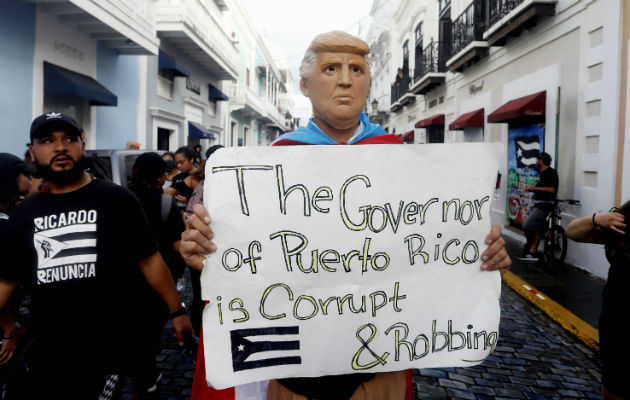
(570, 201)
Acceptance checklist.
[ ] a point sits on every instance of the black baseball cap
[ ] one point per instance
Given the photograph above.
(45, 123)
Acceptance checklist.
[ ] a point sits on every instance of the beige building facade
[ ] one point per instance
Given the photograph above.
(501, 70)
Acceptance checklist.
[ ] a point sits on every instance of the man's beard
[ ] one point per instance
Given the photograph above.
(62, 177)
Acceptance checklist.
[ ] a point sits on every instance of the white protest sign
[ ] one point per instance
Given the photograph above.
(347, 259)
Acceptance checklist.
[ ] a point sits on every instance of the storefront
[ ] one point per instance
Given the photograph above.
(471, 124)
(434, 126)
(525, 117)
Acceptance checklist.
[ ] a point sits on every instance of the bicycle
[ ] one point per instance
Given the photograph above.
(555, 246)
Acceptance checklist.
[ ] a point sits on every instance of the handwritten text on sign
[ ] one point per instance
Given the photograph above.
(346, 259)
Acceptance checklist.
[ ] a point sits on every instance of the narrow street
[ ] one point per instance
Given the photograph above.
(535, 359)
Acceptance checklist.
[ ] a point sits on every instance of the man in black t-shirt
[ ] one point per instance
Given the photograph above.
(545, 192)
(82, 246)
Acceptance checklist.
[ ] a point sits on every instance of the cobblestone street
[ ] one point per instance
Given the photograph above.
(535, 359)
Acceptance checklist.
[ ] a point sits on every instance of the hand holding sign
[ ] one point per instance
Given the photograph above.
(196, 240)
(382, 265)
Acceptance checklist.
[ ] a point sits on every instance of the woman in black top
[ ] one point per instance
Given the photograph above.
(610, 229)
(183, 183)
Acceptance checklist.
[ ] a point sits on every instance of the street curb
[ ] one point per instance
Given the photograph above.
(569, 321)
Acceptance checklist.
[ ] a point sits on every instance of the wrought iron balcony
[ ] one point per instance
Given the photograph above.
(521, 14)
(468, 27)
(400, 87)
(498, 9)
(432, 62)
(433, 59)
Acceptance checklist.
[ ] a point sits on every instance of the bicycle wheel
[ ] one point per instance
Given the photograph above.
(555, 246)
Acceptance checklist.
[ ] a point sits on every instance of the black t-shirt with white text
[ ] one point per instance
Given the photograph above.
(78, 253)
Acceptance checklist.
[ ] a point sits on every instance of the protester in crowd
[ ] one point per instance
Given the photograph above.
(610, 229)
(335, 76)
(197, 148)
(196, 309)
(36, 180)
(82, 245)
(171, 169)
(545, 192)
(181, 188)
(168, 155)
(15, 185)
(149, 173)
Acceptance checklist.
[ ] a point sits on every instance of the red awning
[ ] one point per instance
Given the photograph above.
(407, 137)
(473, 119)
(528, 106)
(437, 119)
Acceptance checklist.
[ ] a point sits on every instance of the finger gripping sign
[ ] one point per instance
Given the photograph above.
(348, 259)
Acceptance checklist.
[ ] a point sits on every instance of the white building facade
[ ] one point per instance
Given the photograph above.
(261, 104)
(187, 83)
(547, 74)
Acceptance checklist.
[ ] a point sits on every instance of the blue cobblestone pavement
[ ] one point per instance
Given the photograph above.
(535, 358)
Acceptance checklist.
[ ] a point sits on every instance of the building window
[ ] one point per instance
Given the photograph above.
(247, 77)
(405, 50)
(212, 108)
(163, 139)
(418, 48)
(165, 85)
(418, 35)
(259, 134)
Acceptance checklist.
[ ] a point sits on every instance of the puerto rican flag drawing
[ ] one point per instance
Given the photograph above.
(251, 391)
(527, 149)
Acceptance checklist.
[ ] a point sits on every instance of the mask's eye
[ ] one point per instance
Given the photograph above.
(356, 70)
(331, 68)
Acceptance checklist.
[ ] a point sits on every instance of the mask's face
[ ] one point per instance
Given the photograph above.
(338, 88)
(59, 157)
